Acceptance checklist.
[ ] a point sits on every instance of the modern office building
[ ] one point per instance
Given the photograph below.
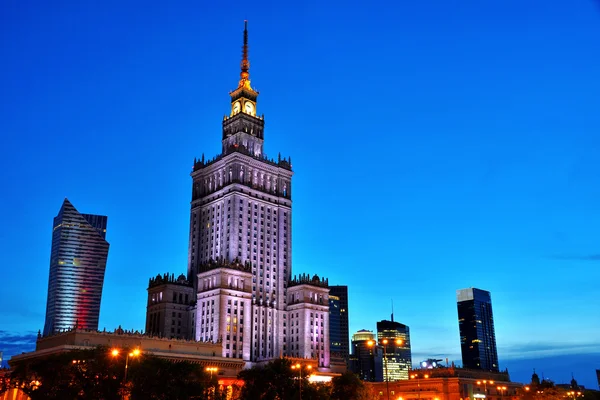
(240, 248)
(367, 358)
(338, 321)
(77, 265)
(397, 361)
(476, 326)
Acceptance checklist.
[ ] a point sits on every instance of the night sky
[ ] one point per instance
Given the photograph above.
(437, 145)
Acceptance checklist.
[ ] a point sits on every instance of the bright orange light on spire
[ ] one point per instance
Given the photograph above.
(245, 64)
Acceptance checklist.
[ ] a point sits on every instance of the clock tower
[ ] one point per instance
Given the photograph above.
(244, 128)
(240, 249)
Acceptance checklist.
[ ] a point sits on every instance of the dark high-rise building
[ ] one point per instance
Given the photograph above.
(77, 264)
(397, 357)
(338, 321)
(476, 325)
(367, 358)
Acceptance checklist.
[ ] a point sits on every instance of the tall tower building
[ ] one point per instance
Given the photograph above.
(338, 321)
(240, 246)
(367, 358)
(397, 357)
(77, 264)
(476, 326)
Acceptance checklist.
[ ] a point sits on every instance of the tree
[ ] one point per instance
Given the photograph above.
(77, 374)
(95, 374)
(348, 386)
(154, 378)
(273, 381)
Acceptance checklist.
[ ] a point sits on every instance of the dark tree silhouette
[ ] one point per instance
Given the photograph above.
(95, 374)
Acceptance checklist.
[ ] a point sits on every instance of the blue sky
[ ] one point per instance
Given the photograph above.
(436, 145)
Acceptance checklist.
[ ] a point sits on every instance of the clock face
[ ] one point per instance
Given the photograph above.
(236, 107)
(249, 108)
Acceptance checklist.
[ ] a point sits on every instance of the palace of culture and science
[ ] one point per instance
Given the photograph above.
(239, 289)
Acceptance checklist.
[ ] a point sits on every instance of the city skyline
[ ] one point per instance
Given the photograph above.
(518, 209)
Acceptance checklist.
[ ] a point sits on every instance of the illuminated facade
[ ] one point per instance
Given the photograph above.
(240, 249)
(476, 326)
(77, 264)
(397, 357)
(168, 309)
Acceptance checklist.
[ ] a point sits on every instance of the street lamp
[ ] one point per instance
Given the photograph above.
(299, 368)
(211, 370)
(387, 378)
(134, 353)
(574, 394)
(485, 382)
(418, 378)
(502, 389)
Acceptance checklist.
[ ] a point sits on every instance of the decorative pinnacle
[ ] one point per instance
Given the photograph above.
(245, 64)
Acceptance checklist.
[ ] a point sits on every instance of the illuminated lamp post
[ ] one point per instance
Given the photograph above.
(299, 368)
(485, 382)
(133, 354)
(418, 378)
(387, 378)
(211, 370)
(574, 394)
(501, 389)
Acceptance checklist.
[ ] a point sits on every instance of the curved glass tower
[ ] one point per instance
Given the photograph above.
(77, 264)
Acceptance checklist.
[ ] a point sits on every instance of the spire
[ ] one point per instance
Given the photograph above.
(245, 64)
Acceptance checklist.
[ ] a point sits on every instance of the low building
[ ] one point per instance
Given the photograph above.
(204, 353)
(449, 384)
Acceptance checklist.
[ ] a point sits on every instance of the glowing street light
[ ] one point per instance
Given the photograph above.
(418, 378)
(211, 370)
(574, 394)
(501, 389)
(485, 382)
(299, 368)
(387, 378)
(133, 354)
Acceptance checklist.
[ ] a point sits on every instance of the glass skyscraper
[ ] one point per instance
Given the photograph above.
(77, 265)
(397, 357)
(366, 359)
(338, 321)
(476, 326)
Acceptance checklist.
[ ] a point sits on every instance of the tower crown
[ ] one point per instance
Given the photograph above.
(243, 98)
(243, 127)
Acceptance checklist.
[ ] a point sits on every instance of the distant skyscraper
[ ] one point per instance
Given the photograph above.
(397, 357)
(77, 264)
(366, 359)
(476, 325)
(338, 321)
